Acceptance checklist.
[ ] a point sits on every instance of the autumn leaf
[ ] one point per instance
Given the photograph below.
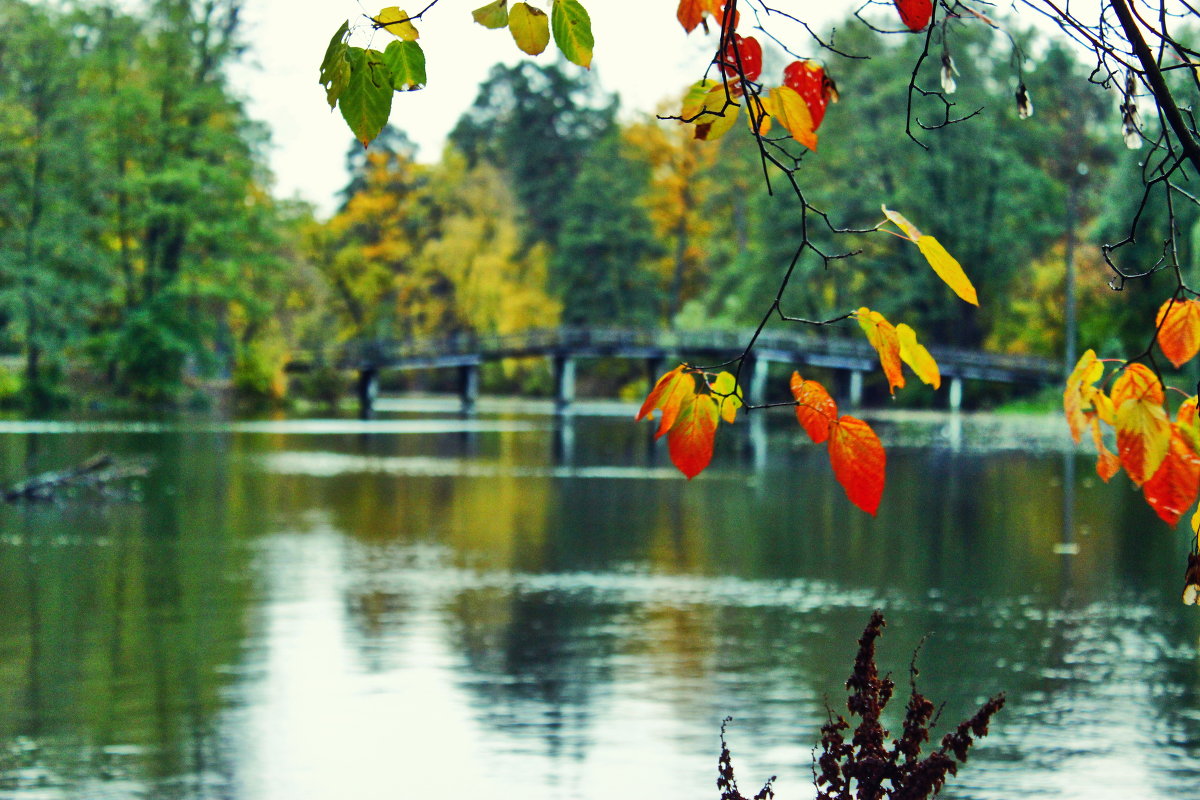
(335, 69)
(884, 339)
(815, 409)
(915, 14)
(690, 440)
(572, 29)
(1143, 430)
(529, 27)
(690, 13)
(917, 357)
(724, 388)
(666, 397)
(808, 79)
(716, 115)
(366, 101)
(1188, 423)
(397, 23)
(494, 15)
(1088, 369)
(944, 265)
(1173, 488)
(859, 461)
(1137, 382)
(744, 52)
(1107, 463)
(406, 61)
(789, 110)
(1178, 323)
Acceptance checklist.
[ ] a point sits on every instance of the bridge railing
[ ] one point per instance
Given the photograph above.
(712, 344)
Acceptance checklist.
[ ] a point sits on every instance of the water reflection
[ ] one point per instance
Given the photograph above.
(325, 612)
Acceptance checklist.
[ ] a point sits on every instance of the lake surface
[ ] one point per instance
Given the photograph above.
(509, 607)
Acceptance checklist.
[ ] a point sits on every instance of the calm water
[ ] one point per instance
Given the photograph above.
(501, 609)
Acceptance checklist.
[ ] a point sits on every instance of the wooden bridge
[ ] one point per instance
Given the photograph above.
(660, 349)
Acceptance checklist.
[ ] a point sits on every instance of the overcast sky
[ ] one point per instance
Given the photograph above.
(641, 52)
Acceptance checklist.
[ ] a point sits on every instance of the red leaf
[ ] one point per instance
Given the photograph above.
(815, 409)
(690, 440)
(858, 461)
(1172, 490)
(915, 13)
(747, 52)
(809, 81)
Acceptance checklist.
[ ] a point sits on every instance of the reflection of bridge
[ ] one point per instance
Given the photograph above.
(659, 349)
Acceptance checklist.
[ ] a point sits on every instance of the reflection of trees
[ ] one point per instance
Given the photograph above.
(117, 622)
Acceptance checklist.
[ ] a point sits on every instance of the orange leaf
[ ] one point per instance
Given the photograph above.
(1178, 324)
(1188, 424)
(858, 461)
(1143, 437)
(917, 357)
(666, 397)
(1137, 382)
(690, 13)
(1087, 371)
(1172, 489)
(884, 339)
(815, 409)
(690, 440)
(1107, 463)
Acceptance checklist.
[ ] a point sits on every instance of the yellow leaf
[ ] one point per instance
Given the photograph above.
(947, 268)
(787, 106)
(1088, 369)
(944, 264)
(917, 357)
(724, 388)
(903, 224)
(530, 28)
(883, 338)
(693, 99)
(717, 116)
(397, 23)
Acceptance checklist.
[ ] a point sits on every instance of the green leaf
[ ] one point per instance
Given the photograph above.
(335, 69)
(529, 27)
(572, 31)
(366, 101)
(406, 61)
(396, 22)
(493, 15)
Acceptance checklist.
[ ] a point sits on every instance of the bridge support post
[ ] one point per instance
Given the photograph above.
(856, 388)
(564, 383)
(468, 387)
(368, 390)
(956, 390)
(654, 370)
(759, 367)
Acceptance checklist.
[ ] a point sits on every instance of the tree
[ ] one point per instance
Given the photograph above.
(537, 124)
(48, 248)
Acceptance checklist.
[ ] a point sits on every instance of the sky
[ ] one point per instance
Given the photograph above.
(641, 52)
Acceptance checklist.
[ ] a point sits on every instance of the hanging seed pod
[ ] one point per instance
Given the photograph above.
(948, 72)
(1024, 103)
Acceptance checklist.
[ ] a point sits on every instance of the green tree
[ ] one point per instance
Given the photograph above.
(49, 239)
(537, 124)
